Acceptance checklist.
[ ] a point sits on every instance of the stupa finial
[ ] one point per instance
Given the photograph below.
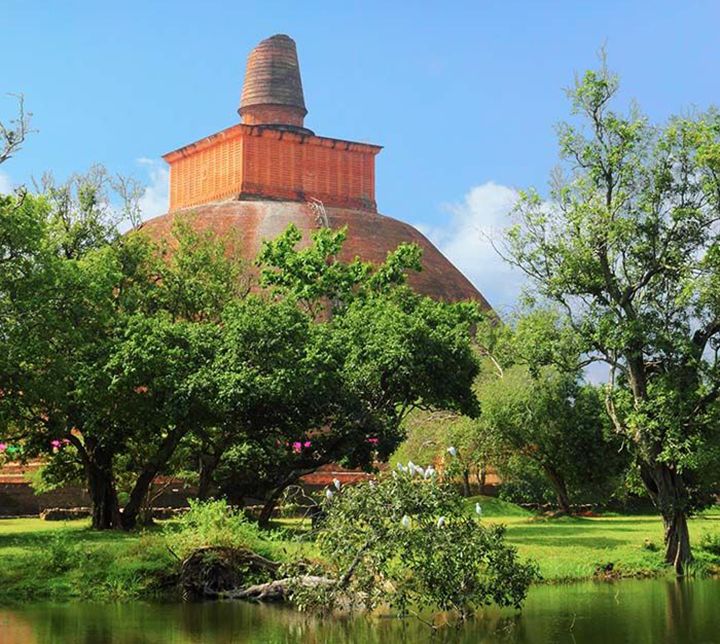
(272, 92)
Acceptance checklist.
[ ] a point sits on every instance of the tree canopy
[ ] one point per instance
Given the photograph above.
(627, 245)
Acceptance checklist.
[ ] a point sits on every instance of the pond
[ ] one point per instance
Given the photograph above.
(657, 611)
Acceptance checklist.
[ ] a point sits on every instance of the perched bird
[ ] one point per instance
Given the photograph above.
(328, 494)
(440, 522)
(337, 484)
(478, 509)
(405, 521)
(452, 451)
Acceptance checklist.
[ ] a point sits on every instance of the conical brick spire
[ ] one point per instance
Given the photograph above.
(272, 93)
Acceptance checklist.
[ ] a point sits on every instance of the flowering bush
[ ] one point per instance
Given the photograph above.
(407, 541)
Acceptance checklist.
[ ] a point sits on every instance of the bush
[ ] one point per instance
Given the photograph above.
(62, 553)
(710, 543)
(213, 523)
(408, 541)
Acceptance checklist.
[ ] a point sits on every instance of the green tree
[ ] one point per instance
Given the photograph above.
(359, 350)
(84, 311)
(627, 245)
(428, 435)
(553, 420)
(407, 541)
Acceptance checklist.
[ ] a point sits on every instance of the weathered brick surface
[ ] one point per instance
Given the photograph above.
(370, 236)
(272, 91)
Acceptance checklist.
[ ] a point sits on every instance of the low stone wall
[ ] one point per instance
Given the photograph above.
(19, 499)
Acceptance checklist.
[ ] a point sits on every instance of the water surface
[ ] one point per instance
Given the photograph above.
(657, 611)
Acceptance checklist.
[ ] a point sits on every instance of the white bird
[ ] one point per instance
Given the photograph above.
(401, 467)
(411, 468)
(478, 509)
(430, 471)
(441, 522)
(419, 471)
(405, 521)
(452, 451)
(337, 484)
(328, 494)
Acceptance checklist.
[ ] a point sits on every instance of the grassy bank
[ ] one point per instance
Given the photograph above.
(42, 560)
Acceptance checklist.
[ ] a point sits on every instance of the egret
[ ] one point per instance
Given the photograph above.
(478, 509)
(405, 521)
(337, 484)
(452, 451)
(328, 494)
(440, 522)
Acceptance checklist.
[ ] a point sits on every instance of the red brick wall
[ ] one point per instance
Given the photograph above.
(266, 163)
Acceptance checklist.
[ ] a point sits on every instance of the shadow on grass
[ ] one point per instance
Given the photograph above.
(39, 538)
(588, 541)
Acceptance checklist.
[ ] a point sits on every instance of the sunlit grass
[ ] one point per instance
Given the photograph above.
(117, 566)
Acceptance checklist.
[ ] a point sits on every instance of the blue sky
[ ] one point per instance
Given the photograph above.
(463, 95)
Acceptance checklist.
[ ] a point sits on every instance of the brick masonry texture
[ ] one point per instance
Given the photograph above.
(259, 162)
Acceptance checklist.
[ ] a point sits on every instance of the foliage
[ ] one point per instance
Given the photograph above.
(212, 523)
(555, 422)
(108, 340)
(407, 541)
(428, 433)
(14, 132)
(710, 543)
(318, 279)
(336, 382)
(524, 482)
(627, 247)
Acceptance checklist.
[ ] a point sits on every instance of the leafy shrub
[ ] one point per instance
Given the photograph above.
(62, 552)
(213, 523)
(408, 541)
(710, 543)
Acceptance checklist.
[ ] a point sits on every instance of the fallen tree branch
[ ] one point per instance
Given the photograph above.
(277, 590)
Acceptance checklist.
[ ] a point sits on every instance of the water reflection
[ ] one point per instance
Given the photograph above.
(630, 611)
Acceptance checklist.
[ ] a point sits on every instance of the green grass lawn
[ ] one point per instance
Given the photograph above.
(46, 560)
(42, 560)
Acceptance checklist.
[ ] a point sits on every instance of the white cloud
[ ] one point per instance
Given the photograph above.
(154, 200)
(6, 185)
(465, 239)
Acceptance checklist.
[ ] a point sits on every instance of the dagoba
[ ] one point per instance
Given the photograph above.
(254, 178)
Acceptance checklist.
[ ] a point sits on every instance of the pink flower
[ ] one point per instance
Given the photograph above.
(3, 447)
(373, 441)
(56, 443)
(307, 444)
(297, 447)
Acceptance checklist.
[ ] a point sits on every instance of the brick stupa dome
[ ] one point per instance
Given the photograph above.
(252, 179)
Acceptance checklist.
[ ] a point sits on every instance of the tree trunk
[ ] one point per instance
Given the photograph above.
(558, 484)
(269, 507)
(207, 466)
(481, 477)
(466, 482)
(667, 490)
(101, 487)
(148, 474)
